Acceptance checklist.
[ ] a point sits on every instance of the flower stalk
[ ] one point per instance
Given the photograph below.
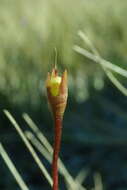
(57, 142)
(57, 93)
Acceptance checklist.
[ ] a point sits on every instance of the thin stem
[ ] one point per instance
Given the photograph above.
(57, 142)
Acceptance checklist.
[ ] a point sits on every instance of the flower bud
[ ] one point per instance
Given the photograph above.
(57, 92)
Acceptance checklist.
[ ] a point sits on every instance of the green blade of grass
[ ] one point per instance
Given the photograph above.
(111, 66)
(29, 147)
(12, 168)
(98, 182)
(81, 176)
(103, 62)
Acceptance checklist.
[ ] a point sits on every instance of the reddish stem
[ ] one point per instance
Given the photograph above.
(57, 142)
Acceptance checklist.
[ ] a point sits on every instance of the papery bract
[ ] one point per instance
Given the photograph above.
(57, 92)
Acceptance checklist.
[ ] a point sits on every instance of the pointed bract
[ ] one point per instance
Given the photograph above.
(63, 85)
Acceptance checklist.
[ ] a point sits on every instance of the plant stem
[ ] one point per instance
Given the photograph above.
(57, 142)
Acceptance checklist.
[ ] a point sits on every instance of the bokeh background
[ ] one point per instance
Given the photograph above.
(95, 123)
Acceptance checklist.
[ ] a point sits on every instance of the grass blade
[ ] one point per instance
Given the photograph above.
(109, 65)
(29, 147)
(100, 60)
(98, 182)
(12, 168)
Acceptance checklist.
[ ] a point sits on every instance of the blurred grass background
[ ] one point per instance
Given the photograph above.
(95, 121)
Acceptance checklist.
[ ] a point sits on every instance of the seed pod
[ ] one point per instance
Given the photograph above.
(57, 92)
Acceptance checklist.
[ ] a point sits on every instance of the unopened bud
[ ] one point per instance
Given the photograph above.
(57, 92)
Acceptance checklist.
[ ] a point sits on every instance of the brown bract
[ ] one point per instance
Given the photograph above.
(57, 92)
